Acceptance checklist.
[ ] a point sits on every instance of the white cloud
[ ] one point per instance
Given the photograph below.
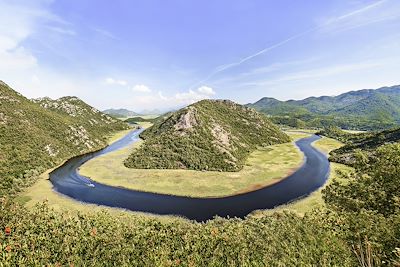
(192, 96)
(61, 30)
(379, 11)
(16, 24)
(105, 33)
(141, 88)
(113, 81)
(320, 73)
(206, 90)
(159, 100)
(362, 16)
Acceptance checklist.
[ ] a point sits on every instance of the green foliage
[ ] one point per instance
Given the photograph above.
(44, 237)
(363, 110)
(368, 205)
(38, 136)
(208, 135)
(366, 209)
(358, 144)
(375, 186)
(135, 120)
(344, 137)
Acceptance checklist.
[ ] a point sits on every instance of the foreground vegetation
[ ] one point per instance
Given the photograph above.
(212, 135)
(45, 237)
(360, 225)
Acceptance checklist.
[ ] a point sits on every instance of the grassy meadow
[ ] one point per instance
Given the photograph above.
(264, 166)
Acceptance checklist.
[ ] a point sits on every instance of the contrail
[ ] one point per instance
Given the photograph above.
(222, 68)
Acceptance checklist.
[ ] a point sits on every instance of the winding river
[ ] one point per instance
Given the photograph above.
(309, 177)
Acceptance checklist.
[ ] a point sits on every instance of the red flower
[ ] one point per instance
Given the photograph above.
(7, 230)
(93, 232)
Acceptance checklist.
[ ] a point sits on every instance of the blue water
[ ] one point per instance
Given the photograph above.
(309, 177)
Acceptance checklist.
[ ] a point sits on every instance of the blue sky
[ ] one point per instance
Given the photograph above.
(165, 54)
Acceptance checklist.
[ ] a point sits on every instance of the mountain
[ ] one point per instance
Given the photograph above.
(39, 134)
(207, 135)
(363, 109)
(120, 113)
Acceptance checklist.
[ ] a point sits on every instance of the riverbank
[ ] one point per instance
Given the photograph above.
(264, 167)
(42, 191)
(314, 200)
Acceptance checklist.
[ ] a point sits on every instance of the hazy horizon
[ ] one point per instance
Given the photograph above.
(158, 55)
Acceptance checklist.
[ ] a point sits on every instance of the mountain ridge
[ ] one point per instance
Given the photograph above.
(39, 134)
(368, 106)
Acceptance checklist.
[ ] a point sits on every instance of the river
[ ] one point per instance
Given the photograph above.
(309, 177)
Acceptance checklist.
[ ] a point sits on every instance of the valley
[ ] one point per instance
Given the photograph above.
(199, 133)
(261, 176)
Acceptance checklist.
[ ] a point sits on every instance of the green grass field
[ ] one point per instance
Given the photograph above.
(265, 166)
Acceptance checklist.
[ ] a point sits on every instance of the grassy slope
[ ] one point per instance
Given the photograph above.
(263, 167)
(42, 190)
(34, 138)
(367, 142)
(41, 237)
(208, 135)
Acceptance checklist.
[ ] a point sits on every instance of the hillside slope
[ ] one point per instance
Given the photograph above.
(120, 113)
(366, 143)
(208, 135)
(37, 135)
(363, 109)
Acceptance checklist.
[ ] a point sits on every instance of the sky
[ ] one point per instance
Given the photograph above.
(159, 54)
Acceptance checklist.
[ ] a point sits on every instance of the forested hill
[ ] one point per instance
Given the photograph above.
(367, 143)
(38, 134)
(208, 135)
(363, 109)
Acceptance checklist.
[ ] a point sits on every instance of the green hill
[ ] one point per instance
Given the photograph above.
(37, 135)
(367, 143)
(364, 109)
(120, 113)
(208, 135)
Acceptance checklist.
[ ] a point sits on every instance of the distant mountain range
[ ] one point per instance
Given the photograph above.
(120, 113)
(363, 109)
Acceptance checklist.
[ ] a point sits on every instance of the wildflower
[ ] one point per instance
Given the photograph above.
(93, 232)
(7, 230)
(8, 248)
(214, 231)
